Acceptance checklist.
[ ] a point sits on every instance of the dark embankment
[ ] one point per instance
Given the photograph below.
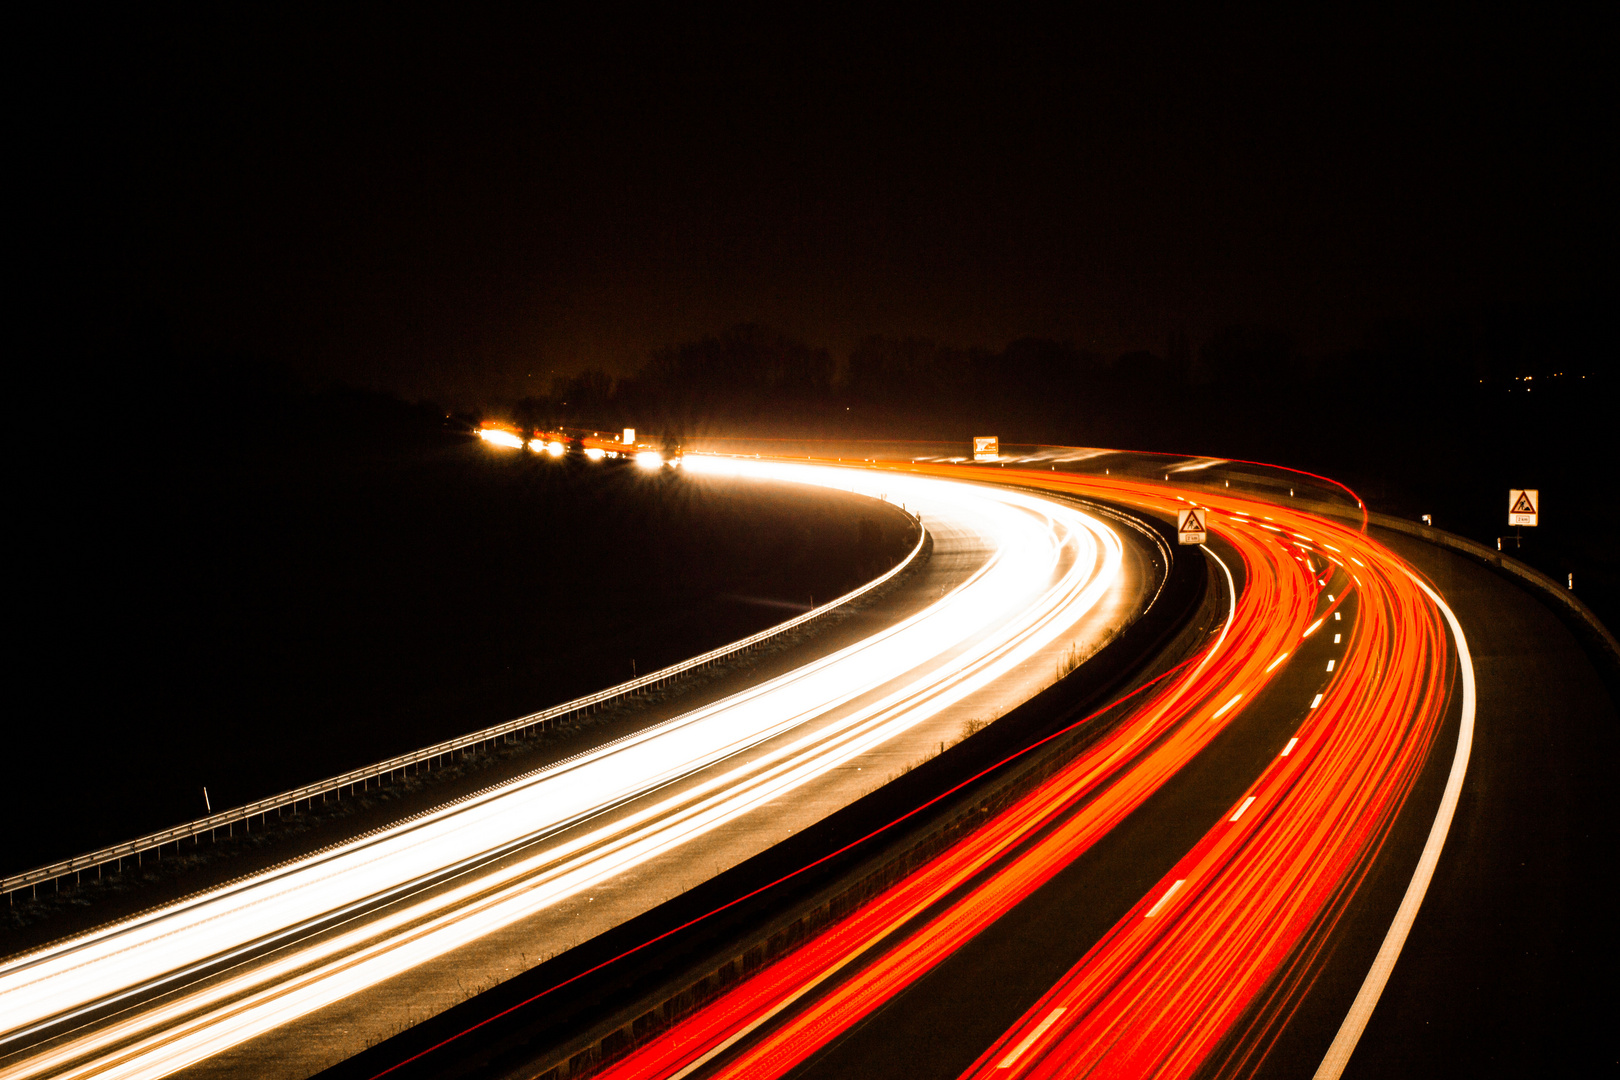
(295, 587)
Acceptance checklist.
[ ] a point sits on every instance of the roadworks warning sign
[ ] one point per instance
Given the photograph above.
(1524, 506)
(1190, 526)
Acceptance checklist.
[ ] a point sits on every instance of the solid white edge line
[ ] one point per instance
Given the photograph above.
(1040, 1029)
(1361, 1010)
(1231, 611)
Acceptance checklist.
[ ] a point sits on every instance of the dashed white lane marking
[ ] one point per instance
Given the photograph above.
(1029, 1040)
(1311, 629)
(1330, 665)
(1277, 661)
(1291, 744)
(1165, 899)
(1228, 705)
(1335, 639)
(1246, 804)
(1316, 701)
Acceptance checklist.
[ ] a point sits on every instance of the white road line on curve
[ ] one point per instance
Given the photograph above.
(1361, 1010)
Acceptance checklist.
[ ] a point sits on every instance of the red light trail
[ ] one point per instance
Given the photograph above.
(1223, 949)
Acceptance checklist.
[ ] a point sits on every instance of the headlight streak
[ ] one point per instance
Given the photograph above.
(179, 919)
(1239, 924)
(1096, 791)
(409, 865)
(506, 440)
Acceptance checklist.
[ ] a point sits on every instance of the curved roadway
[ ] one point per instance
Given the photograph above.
(290, 969)
(1222, 885)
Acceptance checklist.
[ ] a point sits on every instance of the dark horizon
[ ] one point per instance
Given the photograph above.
(460, 212)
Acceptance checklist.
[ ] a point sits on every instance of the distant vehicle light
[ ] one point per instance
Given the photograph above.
(537, 445)
(554, 448)
(497, 437)
(595, 453)
(650, 459)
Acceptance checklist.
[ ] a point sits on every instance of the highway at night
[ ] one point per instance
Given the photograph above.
(1239, 916)
(1232, 874)
(1222, 866)
(190, 984)
(1046, 543)
(1146, 912)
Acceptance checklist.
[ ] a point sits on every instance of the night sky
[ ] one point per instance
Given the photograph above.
(459, 207)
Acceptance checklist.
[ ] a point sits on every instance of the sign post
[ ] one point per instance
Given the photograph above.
(986, 447)
(1524, 506)
(1191, 526)
(629, 437)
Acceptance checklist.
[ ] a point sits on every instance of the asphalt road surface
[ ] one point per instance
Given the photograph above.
(1062, 941)
(1509, 970)
(294, 968)
(1137, 907)
(1506, 970)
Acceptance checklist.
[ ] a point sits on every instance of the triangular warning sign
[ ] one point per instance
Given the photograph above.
(1524, 505)
(1194, 522)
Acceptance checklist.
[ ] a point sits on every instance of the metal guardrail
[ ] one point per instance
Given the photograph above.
(309, 793)
(1542, 583)
(1526, 574)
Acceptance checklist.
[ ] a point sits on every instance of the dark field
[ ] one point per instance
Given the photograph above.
(252, 619)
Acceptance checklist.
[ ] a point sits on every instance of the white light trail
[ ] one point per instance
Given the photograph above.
(420, 889)
(504, 439)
